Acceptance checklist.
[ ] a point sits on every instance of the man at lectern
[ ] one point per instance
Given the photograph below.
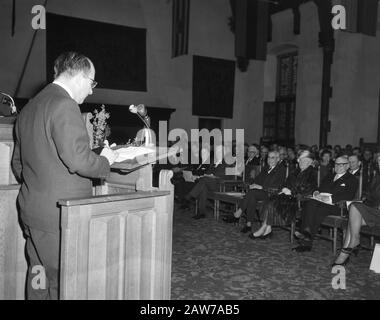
(52, 159)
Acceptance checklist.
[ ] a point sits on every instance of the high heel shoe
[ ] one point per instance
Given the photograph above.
(347, 251)
(268, 235)
(262, 236)
(355, 250)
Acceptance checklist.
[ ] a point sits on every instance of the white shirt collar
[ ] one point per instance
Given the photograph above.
(337, 176)
(63, 86)
(353, 172)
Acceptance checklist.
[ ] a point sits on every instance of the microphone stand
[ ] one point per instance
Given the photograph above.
(146, 120)
(11, 102)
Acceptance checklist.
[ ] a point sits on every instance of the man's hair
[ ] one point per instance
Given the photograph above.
(306, 154)
(354, 156)
(344, 157)
(71, 63)
(274, 152)
(326, 151)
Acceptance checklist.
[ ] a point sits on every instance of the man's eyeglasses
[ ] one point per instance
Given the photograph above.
(341, 164)
(93, 82)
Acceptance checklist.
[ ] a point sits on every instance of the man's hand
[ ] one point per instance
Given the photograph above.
(107, 145)
(316, 195)
(286, 191)
(110, 154)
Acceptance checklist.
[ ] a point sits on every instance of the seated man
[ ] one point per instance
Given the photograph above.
(270, 179)
(354, 163)
(334, 188)
(209, 182)
(197, 166)
(252, 163)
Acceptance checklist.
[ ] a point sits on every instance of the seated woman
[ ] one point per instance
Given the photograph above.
(280, 209)
(325, 164)
(366, 213)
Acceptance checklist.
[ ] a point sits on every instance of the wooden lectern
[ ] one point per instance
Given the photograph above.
(114, 245)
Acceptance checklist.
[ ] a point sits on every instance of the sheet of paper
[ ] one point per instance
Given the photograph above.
(375, 262)
(132, 152)
(326, 198)
(235, 194)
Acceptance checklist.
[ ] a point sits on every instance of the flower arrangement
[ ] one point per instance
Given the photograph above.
(101, 129)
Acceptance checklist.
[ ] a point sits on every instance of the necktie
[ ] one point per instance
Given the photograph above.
(336, 177)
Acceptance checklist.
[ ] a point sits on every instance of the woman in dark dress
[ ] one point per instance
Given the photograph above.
(360, 213)
(280, 209)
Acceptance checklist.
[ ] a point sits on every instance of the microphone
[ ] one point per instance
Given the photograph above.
(142, 113)
(9, 100)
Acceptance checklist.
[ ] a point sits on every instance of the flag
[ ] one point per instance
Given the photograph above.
(180, 27)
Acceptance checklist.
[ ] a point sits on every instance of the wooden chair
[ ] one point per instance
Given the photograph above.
(372, 233)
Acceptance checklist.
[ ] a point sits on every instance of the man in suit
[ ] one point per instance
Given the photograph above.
(252, 163)
(270, 179)
(52, 159)
(336, 187)
(209, 182)
(354, 163)
(198, 167)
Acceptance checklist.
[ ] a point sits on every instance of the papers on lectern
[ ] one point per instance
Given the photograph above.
(130, 153)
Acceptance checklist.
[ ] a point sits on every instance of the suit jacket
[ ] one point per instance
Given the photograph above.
(252, 165)
(220, 170)
(272, 180)
(373, 199)
(343, 188)
(199, 169)
(52, 157)
(357, 173)
(302, 182)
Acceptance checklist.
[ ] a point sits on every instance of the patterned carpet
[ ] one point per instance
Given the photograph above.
(213, 260)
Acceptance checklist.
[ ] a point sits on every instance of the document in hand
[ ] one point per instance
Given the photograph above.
(324, 197)
(132, 152)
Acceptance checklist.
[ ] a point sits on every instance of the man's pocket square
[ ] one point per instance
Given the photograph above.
(343, 185)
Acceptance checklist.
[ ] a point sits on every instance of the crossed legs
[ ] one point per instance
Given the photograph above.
(249, 204)
(352, 238)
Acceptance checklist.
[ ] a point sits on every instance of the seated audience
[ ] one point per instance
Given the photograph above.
(366, 213)
(281, 209)
(268, 181)
(334, 188)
